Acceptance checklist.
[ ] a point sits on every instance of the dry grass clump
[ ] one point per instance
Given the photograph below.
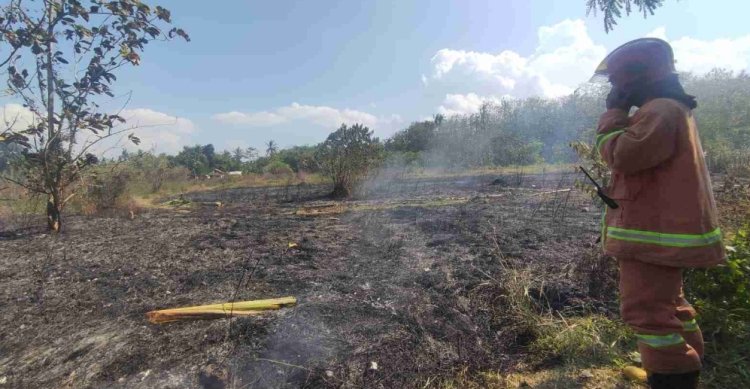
(556, 349)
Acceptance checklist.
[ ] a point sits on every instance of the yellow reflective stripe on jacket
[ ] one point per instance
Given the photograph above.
(664, 239)
(601, 138)
(690, 325)
(657, 341)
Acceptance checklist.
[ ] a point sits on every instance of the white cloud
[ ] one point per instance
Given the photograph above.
(326, 116)
(15, 117)
(698, 56)
(261, 118)
(564, 57)
(321, 116)
(157, 130)
(701, 56)
(659, 32)
(457, 104)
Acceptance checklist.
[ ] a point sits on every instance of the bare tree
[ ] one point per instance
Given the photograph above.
(61, 58)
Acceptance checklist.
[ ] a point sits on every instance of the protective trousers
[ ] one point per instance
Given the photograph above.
(652, 304)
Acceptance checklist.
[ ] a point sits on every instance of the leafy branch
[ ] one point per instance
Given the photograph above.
(613, 9)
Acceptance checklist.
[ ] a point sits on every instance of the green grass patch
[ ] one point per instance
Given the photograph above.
(583, 341)
(727, 364)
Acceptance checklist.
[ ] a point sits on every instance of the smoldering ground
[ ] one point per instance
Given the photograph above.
(392, 291)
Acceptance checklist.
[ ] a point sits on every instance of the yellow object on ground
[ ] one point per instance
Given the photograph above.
(215, 311)
(634, 373)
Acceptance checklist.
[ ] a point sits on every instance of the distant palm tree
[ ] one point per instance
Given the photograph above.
(271, 148)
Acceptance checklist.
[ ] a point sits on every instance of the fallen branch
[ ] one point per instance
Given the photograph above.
(551, 192)
(216, 311)
(282, 363)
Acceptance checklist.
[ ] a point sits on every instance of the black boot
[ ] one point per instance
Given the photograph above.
(674, 381)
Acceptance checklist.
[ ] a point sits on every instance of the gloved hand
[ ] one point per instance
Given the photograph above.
(617, 99)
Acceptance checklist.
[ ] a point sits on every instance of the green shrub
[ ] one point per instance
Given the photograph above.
(347, 156)
(722, 297)
(278, 168)
(722, 294)
(509, 149)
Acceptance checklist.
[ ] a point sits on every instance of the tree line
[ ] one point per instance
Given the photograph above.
(506, 133)
(511, 132)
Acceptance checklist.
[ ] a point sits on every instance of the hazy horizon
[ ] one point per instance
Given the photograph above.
(293, 72)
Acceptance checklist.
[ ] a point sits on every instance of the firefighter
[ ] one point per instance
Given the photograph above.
(666, 220)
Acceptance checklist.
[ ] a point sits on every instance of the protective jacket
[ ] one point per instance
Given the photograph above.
(667, 213)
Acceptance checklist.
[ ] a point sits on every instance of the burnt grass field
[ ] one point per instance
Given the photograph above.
(398, 288)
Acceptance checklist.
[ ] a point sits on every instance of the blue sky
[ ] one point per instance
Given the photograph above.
(291, 70)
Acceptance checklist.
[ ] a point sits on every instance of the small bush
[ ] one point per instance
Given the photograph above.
(722, 298)
(347, 156)
(722, 294)
(156, 177)
(508, 150)
(104, 191)
(723, 157)
(278, 168)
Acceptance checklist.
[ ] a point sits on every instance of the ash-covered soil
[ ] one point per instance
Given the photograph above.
(392, 291)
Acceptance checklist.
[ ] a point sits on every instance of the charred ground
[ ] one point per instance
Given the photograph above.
(393, 291)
